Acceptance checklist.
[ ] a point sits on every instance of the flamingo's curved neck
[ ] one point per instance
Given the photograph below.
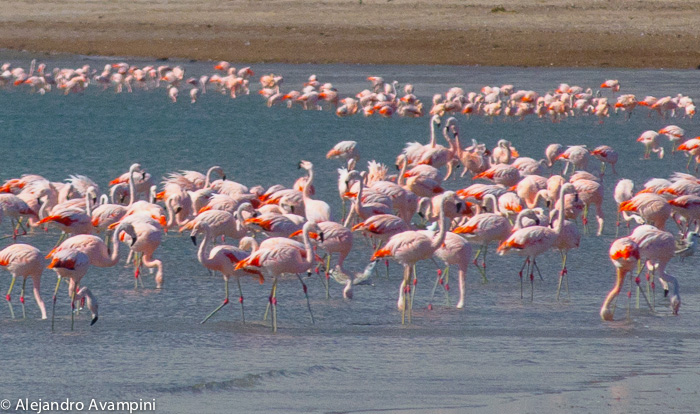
(494, 203)
(440, 238)
(132, 187)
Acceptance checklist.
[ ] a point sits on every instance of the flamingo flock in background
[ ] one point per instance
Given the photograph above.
(382, 98)
(517, 202)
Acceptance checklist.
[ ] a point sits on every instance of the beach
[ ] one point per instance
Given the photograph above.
(600, 34)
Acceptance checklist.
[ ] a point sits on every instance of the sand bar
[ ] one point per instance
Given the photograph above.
(614, 33)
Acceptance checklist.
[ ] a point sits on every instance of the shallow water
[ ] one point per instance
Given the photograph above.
(499, 354)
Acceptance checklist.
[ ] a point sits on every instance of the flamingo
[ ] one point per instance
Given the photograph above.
(657, 247)
(606, 155)
(25, 261)
(568, 239)
(316, 210)
(624, 253)
(653, 208)
(651, 143)
(533, 241)
(674, 133)
(576, 155)
(73, 264)
(410, 247)
(455, 251)
(624, 191)
(485, 228)
(281, 256)
(224, 258)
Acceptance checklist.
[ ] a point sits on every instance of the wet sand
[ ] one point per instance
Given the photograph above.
(621, 33)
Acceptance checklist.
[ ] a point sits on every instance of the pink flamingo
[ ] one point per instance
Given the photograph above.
(657, 247)
(279, 257)
(568, 239)
(25, 261)
(651, 143)
(624, 253)
(224, 258)
(316, 210)
(410, 247)
(73, 264)
(333, 238)
(624, 191)
(606, 155)
(455, 251)
(533, 241)
(653, 208)
(590, 193)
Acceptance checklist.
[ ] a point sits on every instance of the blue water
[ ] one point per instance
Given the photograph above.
(499, 354)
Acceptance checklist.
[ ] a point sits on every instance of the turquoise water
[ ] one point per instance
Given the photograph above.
(499, 353)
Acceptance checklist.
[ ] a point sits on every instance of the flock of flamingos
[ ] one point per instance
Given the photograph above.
(519, 204)
(382, 98)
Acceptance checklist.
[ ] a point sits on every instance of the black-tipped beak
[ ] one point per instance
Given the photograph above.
(460, 207)
(133, 241)
(299, 165)
(194, 239)
(576, 198)
(94, 200)
(397, 167)
(223, 177)
(178, 209)
(320, 236)
(421, 215)
(143, 175)
(93, 321)
(549, 204)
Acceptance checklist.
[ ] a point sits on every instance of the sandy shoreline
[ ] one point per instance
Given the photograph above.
(635, 34)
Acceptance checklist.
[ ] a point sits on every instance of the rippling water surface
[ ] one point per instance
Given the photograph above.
(499, 354)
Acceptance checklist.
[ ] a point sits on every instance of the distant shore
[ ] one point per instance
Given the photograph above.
(624, 34)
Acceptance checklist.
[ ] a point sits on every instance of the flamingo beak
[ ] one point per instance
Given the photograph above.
(92, 322)
(194, 239)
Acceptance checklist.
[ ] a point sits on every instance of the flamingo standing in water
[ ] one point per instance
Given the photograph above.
(278, 256)
(533, 241)
(74, 264)
(624, 253)
(657, 247)
(25, 261)
(224, 258)
(410, 247)
(455, 251)
(651, 144)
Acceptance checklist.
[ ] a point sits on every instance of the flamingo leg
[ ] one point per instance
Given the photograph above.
(446, 286)
(223, 304)
(53, 308)
(402, 293)
(520, 274)
(412, 289)
(8, 297)
(269, 302)
(432, 294)
(273, 303)
(240, 298)
(532, 280)
(483, 264)
(617, 225)
(72, 308)
(639, 289)
(21, 298)
(563, 275)
(328, 275)
(306, 294)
